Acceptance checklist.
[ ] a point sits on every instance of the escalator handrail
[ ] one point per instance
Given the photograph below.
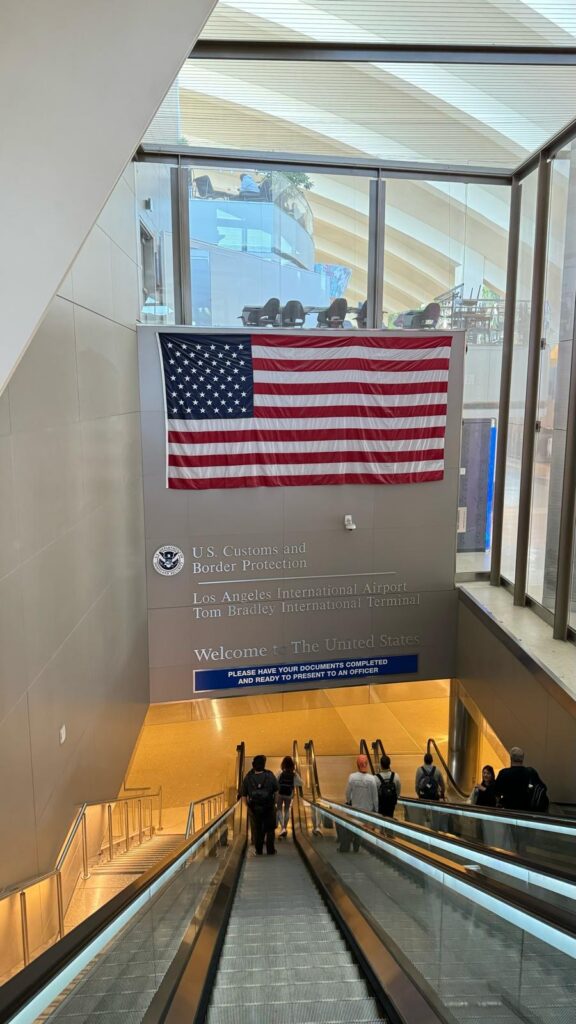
(526, 819)
(431, 744)
(24, 986)
(378, 750)
(516, 899)
(364, 750)
(396, 985)
(184, 993)
(466, 844)
(240, 765)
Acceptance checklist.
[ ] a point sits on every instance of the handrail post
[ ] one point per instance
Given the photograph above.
(159, 808)
(202, 814)
(190, 822)
(60, 903)
(24, 927)
(85, 871)
(110, 834)
(140, 833)
(127, 825)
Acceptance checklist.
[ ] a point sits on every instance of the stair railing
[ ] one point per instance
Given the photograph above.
(312, 770)
(210, 807)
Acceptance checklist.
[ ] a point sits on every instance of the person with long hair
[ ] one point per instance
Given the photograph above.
(484, 793)
(288, 778)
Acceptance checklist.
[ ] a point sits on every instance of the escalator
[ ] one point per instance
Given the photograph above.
(393, 933)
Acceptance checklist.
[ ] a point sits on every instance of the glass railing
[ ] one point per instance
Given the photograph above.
(122, 964)
(486, 958)
(34, 913)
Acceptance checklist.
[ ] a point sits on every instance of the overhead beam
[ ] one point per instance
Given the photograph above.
(405, 53)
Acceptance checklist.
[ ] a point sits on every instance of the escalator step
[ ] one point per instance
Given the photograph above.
(352, 1011)
(293, 975)
(315, 990)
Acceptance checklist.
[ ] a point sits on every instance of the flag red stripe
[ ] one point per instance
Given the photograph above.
(365, 412)
(335, 434)
(346, 340)
(304, 481)
(296, 458)
(330, 365)
(352, 388)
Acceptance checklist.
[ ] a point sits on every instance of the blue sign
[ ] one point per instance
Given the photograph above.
(309, 672)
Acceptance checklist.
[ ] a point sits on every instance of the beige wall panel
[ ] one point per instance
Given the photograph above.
(48, 483)
(111, 451)
(5, 426)
(9, 525)
(17, 826)
(14, 676)
(44, 392)
(107, 366)
(92, 274)
(118, 218)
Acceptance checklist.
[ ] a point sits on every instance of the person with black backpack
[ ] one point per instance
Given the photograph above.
(429, 783)
(287, 780)
(388, 788)
(260, 788)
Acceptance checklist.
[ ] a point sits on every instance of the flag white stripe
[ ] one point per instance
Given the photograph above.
(351, 399)
(310, 469)
(309, 426)
(283, 447)
(345, 376)
(352, 352)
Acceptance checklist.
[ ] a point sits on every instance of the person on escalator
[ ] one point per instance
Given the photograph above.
(388, 787)
(519, 788)
(429, 782)
(288, 779)
(260, 788)
(484, 794)
(361, 793)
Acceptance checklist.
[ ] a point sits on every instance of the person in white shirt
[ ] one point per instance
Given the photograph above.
(362, 793)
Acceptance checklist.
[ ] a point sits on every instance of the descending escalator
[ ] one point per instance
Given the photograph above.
(396, 932)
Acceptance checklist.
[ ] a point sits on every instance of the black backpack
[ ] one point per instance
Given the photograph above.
(538, 795)
(286, 784)
(260, 791)
(387, 794)
(428, 788)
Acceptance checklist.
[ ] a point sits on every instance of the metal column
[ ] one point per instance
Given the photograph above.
(532, 381)
(179, 198)
(505, 381)
(376, 229)
(567, 509)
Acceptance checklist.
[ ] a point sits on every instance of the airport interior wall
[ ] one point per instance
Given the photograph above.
(73, 644)
(521, 700)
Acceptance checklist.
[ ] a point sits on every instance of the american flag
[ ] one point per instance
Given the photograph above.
(273, 410)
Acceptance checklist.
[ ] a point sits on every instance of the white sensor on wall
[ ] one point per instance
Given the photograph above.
(349, 523)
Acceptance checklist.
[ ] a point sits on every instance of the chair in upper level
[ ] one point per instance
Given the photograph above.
(261, 316)
(427, 318)
(362, 315)
(335, 315)
(293, 314)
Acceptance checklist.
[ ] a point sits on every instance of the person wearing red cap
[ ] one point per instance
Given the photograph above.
(362, 793)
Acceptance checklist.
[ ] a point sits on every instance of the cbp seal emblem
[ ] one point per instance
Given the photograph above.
(168, 560)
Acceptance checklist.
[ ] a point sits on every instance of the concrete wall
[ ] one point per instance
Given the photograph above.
(80, 83)
(523, 703)
(72, 586)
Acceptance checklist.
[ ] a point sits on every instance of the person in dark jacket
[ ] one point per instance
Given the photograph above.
(260, 788)
(484, 794)
(514, 785)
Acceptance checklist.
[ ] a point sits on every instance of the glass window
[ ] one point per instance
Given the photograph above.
(553, 383)
(519, 370)
(445, 266)
(155, 238)
(277, 248)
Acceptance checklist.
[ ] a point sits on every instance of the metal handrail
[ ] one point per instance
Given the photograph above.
(216, 798)
(431, 743)
(364, 750)
(56, 873)
(240, 763)
(19, 990)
